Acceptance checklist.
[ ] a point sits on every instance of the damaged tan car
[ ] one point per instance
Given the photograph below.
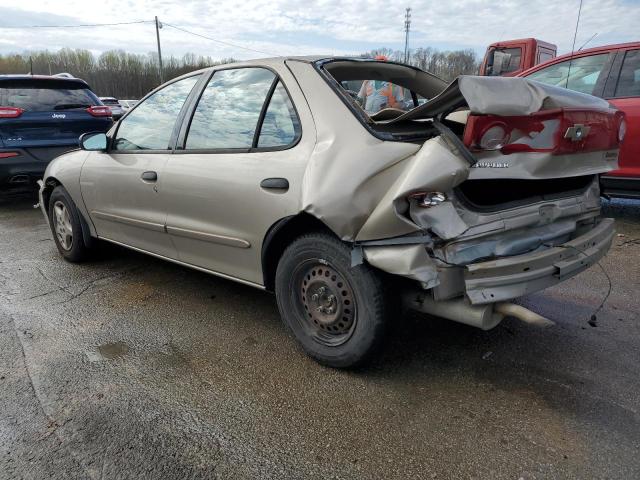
(331, 180)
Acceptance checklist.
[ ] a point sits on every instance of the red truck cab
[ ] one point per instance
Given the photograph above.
(611, 72)
(509, 58)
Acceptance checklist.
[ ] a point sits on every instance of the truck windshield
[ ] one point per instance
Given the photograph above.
(503, 60)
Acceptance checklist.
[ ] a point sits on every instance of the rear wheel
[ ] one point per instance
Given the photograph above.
(336, 312)
(64, 220)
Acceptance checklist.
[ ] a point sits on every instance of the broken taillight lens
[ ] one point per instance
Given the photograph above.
(10, 112)
(559, 132)
(99, 111)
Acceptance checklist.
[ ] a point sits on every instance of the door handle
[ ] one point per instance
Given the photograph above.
(149, 176)
(275, 184)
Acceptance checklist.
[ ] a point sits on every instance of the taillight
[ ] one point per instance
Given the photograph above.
(558, 132)
(622, 130)
(99, 111)
(8, 154)
(494, 137)
(10, 112)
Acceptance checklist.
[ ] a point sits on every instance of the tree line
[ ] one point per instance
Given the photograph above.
(444, 64)
(114, 73)
(129, 75)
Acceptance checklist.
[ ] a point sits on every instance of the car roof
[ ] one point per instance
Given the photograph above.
(41, 78)
(586, 51)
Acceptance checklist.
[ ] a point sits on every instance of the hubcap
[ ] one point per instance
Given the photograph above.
(328, 302)
(62, 225)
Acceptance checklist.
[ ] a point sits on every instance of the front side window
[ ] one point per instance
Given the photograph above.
(629, 81)
(228, 112)
(579, 74)
(150, 125)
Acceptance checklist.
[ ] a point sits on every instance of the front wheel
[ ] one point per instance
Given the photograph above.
(336, 312)
(64, 220)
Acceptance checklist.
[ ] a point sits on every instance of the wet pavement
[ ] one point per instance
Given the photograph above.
(131, 367)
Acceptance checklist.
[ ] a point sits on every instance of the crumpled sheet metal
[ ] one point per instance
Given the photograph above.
(519, 96)
(501, 96)
(368, 200)
(411, 261)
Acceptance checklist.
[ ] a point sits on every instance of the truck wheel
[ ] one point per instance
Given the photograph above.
(336, 312)
(64, 220)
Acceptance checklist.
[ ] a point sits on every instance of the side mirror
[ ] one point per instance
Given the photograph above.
(93, 141)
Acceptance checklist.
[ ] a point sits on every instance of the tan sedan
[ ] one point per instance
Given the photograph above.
(347, 186)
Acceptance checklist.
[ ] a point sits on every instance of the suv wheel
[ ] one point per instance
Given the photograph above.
(64, 220)
(336, 312)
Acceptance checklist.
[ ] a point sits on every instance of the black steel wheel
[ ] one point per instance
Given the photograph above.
(336, 312)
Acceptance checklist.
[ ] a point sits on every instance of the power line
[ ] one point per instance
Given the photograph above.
(229, 44)
(75, 26)
(220, 41)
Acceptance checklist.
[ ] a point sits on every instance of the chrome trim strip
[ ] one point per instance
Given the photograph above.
(156, 227)
(184, 264)
(209, 237)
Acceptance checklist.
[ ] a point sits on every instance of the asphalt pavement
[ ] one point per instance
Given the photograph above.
(131, 367)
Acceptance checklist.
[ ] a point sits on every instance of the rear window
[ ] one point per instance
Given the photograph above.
(580, 74)
(45, 96)
(110, 101)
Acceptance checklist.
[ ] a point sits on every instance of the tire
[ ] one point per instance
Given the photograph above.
(64, 221)
(335, 311)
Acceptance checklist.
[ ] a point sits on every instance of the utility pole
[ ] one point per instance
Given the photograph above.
(407, 26)
(158, 27)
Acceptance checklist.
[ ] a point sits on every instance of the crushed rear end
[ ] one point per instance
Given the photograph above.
(502, 201)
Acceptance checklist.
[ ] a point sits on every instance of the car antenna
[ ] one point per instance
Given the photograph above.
(573, 47)
(585, 43)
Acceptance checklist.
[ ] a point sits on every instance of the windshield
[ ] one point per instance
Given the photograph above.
(43, 97)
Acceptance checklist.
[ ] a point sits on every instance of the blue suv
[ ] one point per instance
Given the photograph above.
(42, 117)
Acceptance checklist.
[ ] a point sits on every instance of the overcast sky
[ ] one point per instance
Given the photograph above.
(286, 27)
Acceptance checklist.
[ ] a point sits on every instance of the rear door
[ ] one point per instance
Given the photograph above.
(239, 169)
(123, 188)
(623, 91)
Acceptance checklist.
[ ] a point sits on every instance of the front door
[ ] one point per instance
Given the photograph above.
(123, 188)
(239, 172)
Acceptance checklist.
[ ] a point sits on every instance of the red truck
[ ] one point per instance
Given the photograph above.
(611, 72)
(508, 59)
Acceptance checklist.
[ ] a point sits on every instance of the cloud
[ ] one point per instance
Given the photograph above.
(286, 27)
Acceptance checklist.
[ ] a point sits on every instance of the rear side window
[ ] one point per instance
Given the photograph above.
(280, 126)
(544, 56)
(150, 125)
(579, 74)
(230, 112)
(629, 81)
(45, 96)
